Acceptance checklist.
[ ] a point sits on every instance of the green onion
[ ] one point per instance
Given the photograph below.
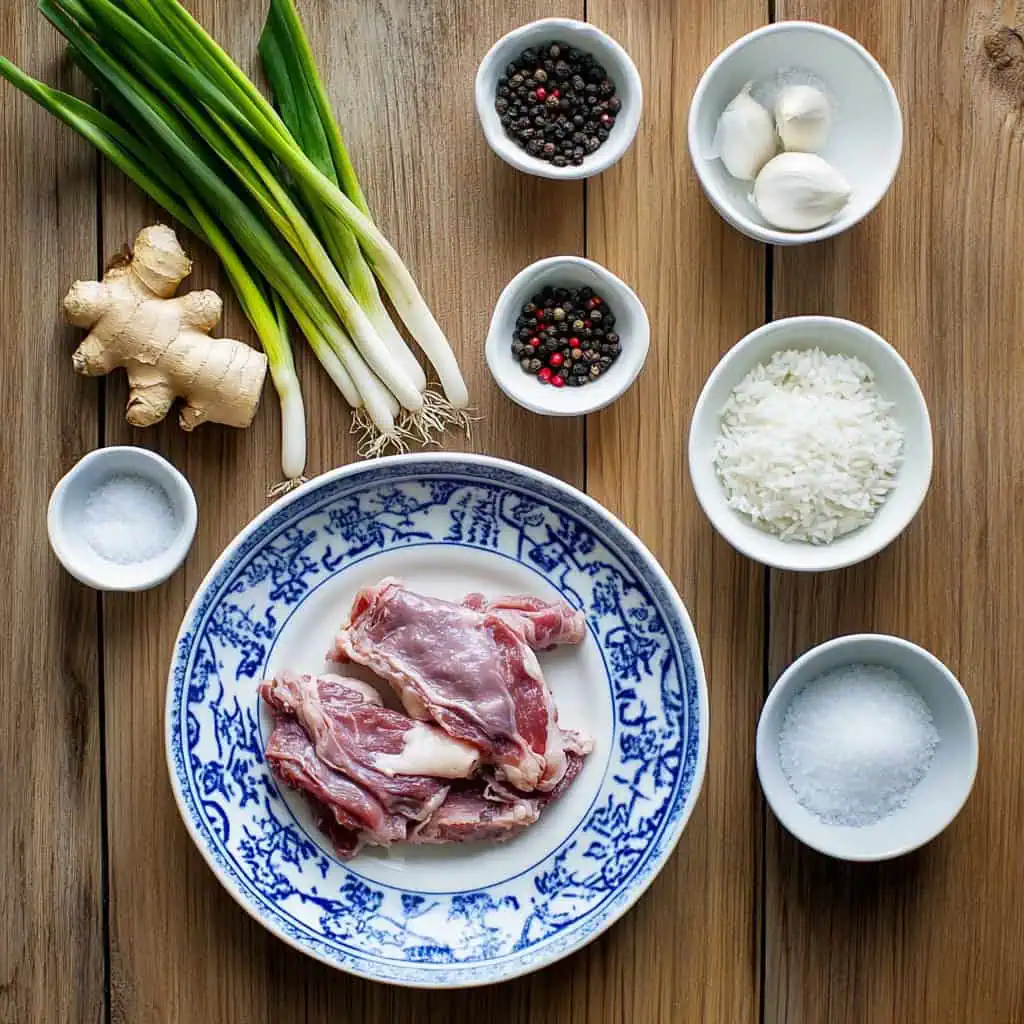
(227, 90)
(279, 187)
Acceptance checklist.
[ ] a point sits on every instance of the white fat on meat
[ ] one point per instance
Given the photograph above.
(471, 669)
(428, 751)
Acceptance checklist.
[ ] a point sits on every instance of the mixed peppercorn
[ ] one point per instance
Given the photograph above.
(566, 336)
(557, 103)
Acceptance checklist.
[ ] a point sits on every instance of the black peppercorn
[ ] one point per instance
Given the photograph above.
(554, 94)
(564, 351)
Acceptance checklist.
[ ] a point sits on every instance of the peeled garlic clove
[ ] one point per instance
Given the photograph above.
(802, 117)
(745, 137)
(799, 192)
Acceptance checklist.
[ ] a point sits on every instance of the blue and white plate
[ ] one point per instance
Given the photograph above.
(447, 525)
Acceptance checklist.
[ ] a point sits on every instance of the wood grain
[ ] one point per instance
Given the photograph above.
(933, 938)
(936, 270)
(401, 78)
(690, 950)
(50, 854)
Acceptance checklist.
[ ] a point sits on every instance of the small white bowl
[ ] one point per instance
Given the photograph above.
(621, 70)
(66, 509)
(865, 140)
(896, 383)
(937, 798)
(631, 324)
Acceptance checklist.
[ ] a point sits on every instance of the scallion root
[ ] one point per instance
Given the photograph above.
(285, 486)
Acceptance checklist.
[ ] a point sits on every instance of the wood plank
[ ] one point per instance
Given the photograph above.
(936, 936)
(51, 888)
(401, 78)
(690, 950)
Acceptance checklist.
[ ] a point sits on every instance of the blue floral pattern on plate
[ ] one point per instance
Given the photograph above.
(241, 824)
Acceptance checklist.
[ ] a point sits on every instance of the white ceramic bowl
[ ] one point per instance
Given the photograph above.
(894, 380)
(65, 513)
(937, 798)
(583, 36)
(866, 136)
(631, 324)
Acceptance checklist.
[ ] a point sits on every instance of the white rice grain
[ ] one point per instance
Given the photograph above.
(808, 449)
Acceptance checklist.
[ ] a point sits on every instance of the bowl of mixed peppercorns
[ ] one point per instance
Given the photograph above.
(567, 337)
(559, 98)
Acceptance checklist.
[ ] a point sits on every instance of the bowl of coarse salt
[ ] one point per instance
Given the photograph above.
(810, 445)
(867, 747)
(123, 518)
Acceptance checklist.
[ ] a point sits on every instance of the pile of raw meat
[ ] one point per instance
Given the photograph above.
(477, 753)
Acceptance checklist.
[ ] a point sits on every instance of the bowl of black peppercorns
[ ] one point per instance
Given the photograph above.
(567, 337)
(558, 98)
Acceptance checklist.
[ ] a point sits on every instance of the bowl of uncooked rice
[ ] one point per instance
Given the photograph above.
(810, 446)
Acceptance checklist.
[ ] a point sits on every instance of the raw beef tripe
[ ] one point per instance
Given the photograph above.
(471, 669)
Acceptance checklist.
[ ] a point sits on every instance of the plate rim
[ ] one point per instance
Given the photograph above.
(457, 460)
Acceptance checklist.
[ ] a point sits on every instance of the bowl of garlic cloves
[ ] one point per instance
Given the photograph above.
(795, 132)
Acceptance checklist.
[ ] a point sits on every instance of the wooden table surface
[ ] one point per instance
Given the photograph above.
(107, 911)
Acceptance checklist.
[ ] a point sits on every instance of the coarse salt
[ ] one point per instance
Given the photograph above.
(128, 519)
(855, 742)
(808, 448)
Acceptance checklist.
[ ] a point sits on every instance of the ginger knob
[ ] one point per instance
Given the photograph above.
(162, 341)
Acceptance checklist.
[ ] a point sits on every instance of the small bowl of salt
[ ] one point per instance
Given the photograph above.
(867, 747)
(123, 518)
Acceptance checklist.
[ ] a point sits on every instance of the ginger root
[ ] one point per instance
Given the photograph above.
(134, 321)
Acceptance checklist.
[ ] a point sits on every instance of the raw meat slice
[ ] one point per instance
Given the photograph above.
(345, 811)
(347, 842)
(469, 670)
(467, 815)
(541, 624)
(399, 762)
(488, 809)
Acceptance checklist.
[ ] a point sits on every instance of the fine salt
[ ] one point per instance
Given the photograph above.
(855, 742)
(128, 518)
